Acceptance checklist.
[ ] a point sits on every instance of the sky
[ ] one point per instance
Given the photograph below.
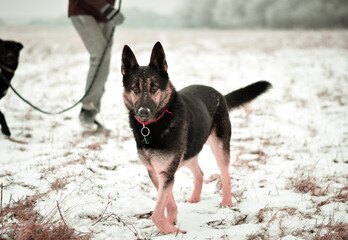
(18, 10)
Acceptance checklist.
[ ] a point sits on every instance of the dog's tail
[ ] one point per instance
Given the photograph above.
(244, 95)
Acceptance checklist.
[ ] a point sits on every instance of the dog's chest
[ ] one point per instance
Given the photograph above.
(147, 156)
(152, 156)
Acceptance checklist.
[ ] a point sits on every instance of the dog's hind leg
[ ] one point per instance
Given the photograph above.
(4, 128)
(223, 160)
(193, 165)
(219, 140)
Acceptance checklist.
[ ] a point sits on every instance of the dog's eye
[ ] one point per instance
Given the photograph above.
(135, 90)
(154, 89)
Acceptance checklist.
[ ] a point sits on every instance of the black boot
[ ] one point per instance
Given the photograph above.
(87, 116)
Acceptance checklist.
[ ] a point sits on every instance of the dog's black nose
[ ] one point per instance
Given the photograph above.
(144, 112)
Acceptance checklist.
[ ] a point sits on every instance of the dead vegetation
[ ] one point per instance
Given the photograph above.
(20, 220)
(341, 196)
(330, 229)
(250, 159)
(303, 181)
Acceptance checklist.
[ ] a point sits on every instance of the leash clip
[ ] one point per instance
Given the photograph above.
(145, 131)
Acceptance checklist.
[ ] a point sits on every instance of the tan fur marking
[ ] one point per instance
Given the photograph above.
(127, 100)
(164, 97)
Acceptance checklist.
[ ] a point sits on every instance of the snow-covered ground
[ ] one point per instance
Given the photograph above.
(289, 148)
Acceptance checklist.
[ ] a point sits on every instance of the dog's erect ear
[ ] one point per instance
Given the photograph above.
(158, 57)
(18, 46)
(129, 62)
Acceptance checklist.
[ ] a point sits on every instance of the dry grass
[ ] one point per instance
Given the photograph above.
(260, 235)
(341, 196)
(59, 183)
(253, 163)
(332, 230)
(21, 221)
(308, 184)
(326, 230)
(303, 182)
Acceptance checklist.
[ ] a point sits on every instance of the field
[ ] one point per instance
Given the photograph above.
(289, 148)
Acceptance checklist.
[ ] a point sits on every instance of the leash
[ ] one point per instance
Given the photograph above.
(86, 92)
(75, 104)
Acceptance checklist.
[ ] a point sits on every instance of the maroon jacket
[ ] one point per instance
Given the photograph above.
(89, 7)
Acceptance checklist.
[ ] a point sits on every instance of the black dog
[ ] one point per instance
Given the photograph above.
(9, 54)
(170, 128)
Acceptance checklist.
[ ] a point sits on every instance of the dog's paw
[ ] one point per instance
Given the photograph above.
(172, 219)
(194, 200)
(171, 229)
(226, 204)
(164, 226)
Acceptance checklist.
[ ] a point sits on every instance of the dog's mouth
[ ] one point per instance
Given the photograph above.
(143, 120)
(142, 117)
(144, 114)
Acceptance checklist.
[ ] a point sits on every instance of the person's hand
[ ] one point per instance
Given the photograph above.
(117, 19)
(111, 14)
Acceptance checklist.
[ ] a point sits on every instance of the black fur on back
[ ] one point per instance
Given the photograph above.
(244, 95)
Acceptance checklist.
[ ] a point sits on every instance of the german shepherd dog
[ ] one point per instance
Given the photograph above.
(170, 128)
(9, 54)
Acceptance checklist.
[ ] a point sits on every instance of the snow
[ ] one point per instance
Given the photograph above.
(297, 129)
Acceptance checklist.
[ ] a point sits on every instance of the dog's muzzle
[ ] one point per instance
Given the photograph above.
(144, 113)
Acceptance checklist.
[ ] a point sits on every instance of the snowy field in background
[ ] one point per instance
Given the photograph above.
(289, 148)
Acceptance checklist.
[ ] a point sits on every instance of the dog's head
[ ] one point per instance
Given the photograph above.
(9, 53)
(147, 89)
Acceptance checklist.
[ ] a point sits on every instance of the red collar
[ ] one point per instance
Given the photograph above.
(152, 121)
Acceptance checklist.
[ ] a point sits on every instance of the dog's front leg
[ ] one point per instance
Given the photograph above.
(163, 175)
(158, 216)
(172, 210)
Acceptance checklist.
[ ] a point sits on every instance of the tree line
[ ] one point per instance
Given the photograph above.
(227, 14)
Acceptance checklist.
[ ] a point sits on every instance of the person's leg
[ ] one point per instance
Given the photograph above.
(107, 29)
(94, 36)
